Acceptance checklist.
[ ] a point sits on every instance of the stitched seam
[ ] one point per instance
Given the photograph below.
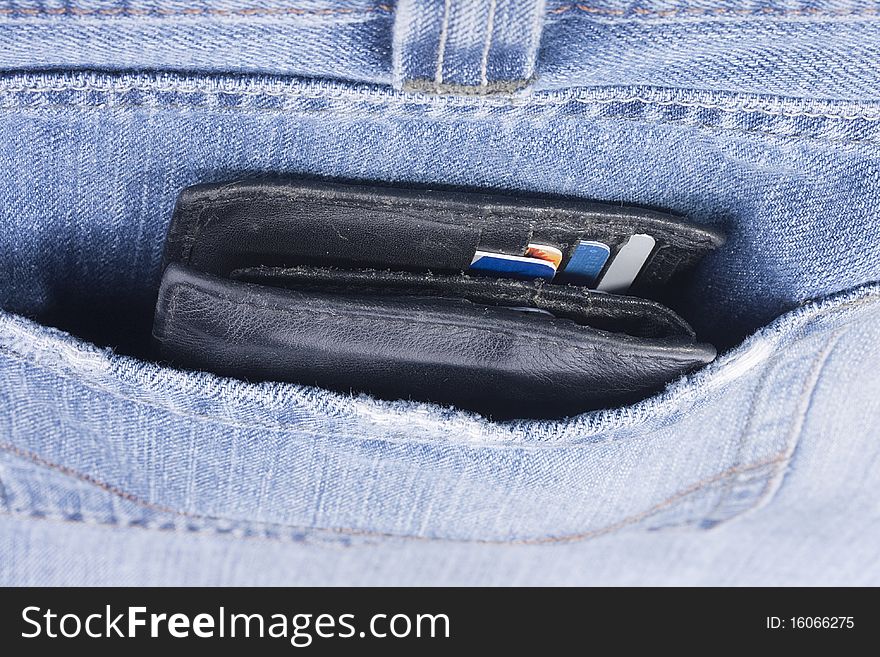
(441, 44)
(532, 102)
(240, 530)
(714, 12)
(409, 321)
(497, 87)
(487, 46)
(387, 8)
(564, 538)
(642, 121)
(191, 12)
(757, 395)
(774, 479)
(680, 122)
(87, 478)
(534, 38)
(774, 482)
(549, 298)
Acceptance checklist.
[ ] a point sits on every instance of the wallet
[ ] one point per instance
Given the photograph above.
(364, 289)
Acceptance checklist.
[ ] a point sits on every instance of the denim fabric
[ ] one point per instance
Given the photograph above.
(813, 49)
(347, 40)
(272, 483)
(758, 469)
(477, 47)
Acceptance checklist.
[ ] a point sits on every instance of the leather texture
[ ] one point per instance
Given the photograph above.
(498, 361)
(222, 227)
(609, 312)
(364, 289)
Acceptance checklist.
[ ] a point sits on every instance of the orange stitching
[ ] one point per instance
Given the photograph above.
(251, 11)
(797, 427)
(779, 457)
(89, 479)
(718, 11)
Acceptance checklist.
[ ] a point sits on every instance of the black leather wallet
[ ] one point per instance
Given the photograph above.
(365, 289)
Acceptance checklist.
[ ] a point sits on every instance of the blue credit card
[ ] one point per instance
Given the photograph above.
(511, 266)
(586, 263)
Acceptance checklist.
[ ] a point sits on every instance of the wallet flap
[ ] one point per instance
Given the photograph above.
(631, 315)
(498, 361)
(222, 227)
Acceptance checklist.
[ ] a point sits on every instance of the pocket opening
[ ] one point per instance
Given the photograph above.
(643, 467)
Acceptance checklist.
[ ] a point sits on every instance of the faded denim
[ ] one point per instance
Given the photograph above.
(759, 469)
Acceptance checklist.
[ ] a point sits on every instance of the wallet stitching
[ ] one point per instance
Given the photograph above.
(410, 321)
(696, 240)
(562, 294)
(198, 226)
(549, 297)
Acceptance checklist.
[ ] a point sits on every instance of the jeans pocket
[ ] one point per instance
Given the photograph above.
(93, 436)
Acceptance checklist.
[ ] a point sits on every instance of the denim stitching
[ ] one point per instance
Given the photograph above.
(388, 9)
(685, 122)
(670, 501)
(534, 39)
(620, 96)
(744, 437)
(496, 87)
(240, 531)
(403, 103)
(774, 482)
(441, 44)
(698, 12)
(127, 12)
(487, 46)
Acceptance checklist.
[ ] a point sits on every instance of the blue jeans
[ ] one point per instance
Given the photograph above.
(759, 469)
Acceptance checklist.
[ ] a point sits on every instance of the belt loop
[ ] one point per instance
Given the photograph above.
(472, 47)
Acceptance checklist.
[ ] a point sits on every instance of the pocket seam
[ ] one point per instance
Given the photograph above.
(632, 520)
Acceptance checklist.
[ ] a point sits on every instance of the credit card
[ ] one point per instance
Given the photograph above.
(627, 264)
(585, 263)
(545, 252)
(512, 266)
